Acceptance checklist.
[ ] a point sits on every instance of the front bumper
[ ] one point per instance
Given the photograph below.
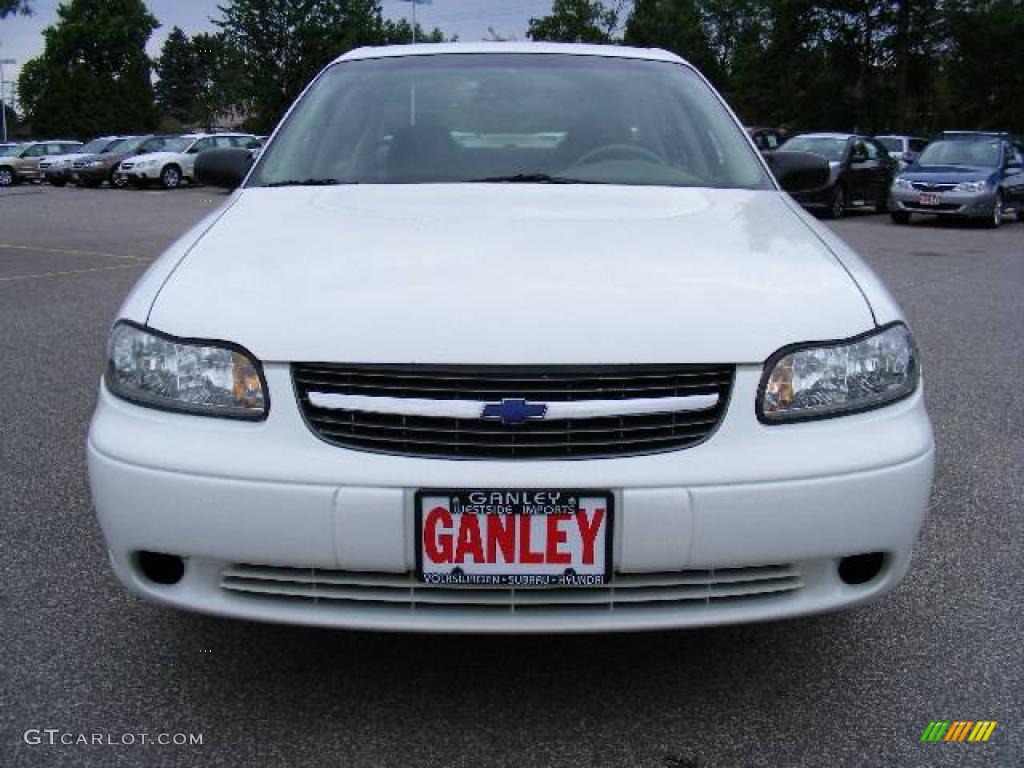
(276, 525)
(28, 174)
(965, 204)
(139, 174)
(90, 174)
(57, 174)
(815, 198)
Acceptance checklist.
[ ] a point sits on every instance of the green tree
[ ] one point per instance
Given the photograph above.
(93, 75)
(10, 7)
(680, 26)
(281, 44)
(179, 86)
(13, 120)
(223, 84)
(575, 21)
(400, 33)
(984, 83)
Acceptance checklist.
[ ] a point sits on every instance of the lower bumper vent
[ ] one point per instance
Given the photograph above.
(402, 592)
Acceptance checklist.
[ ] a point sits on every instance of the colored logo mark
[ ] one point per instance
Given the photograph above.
(958, 730)
(514, 411)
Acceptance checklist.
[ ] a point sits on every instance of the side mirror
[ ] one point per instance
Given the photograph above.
(798, 171)
(223, 168)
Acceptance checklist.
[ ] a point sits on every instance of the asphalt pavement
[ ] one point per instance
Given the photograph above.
(82, 656)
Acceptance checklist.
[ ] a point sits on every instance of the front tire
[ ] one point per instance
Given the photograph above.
(996, 220)
(900, 217)
(6, 177)
(837, 203)
(170, 177)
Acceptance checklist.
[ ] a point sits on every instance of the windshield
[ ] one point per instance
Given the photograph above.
(891, 143)
(175, 145)
(128, 146)
(983, 153)
(824, 146)
(94, 147)
(507, 118)
(115, 146)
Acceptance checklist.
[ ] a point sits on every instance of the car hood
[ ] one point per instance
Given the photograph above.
(158, 156)
(510, 274)
(947, 173)
(58, 159)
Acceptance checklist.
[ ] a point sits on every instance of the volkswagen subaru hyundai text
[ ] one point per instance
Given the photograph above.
(510, 337)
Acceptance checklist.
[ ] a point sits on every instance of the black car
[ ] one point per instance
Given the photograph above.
(861, 172)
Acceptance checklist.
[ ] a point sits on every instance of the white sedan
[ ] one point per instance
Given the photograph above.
(175, 162)
(511, 338)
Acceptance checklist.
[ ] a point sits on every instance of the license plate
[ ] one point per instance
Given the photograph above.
(928, 199)
(514, 538)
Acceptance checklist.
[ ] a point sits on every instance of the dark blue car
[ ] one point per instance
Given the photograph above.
(966, 175)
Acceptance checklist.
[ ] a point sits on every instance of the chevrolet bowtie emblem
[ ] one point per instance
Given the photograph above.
(514, 411)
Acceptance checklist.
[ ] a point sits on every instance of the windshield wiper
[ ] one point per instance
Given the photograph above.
(305, 183)
(531, 178)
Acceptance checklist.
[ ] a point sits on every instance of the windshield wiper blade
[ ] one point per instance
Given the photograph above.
(305, 183)
(531, 178)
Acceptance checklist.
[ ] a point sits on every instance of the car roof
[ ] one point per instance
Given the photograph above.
(955, 135)
(827, 135)
(208, 135)
(575, 49)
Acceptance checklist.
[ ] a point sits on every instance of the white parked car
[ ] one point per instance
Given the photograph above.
(602, 374)
(175, 163)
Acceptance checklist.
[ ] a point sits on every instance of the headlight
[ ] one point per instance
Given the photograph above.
(971, 186)
(819, 380)
(159, 371)
(902, 184)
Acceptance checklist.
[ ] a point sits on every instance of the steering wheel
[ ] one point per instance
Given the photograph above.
(618, 149)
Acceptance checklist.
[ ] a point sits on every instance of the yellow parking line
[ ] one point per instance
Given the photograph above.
(71, 252)
(41, 275)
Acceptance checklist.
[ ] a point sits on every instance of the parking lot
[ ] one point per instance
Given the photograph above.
(849, 689)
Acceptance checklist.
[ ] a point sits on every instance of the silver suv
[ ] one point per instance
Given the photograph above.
(21, 162)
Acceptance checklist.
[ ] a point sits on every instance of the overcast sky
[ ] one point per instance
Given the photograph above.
(22, 39)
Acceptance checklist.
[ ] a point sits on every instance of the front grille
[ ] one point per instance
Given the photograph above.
(79, 164)
(927, 186)
(944, 207)
(549, 438)
(402, 592)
